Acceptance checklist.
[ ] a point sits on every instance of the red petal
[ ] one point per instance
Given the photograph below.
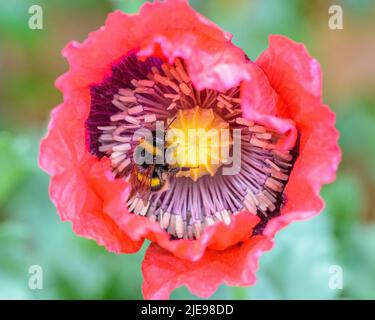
(297, 79)
(62, 148)
(84, 210)
(63, 155)
(212, 60)
(235, 266)
(218, 236)
(262, 104)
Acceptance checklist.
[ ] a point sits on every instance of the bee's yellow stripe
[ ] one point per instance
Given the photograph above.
(154, 181)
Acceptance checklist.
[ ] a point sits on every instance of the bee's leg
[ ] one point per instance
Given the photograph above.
(163, 176)
(159, 172)
(165, 186)
(132, 193)
(174, 170)
(178, 169)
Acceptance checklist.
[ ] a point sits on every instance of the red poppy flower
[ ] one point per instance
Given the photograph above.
(170, 64)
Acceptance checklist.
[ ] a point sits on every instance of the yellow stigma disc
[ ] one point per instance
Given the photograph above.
(197, 140)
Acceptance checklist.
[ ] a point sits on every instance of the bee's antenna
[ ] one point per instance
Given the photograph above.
(188, 168)
(169, 124)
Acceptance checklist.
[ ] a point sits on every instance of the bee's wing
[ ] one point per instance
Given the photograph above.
(143, 185)
(146, 183)
(133, 176)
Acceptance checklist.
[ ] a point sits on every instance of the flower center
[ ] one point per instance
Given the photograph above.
(221, 163)
(198, 139)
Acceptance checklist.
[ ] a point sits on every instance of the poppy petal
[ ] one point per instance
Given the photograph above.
(235, 266)
(297, 79)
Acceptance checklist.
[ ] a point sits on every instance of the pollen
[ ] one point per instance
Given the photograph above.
(196, 140)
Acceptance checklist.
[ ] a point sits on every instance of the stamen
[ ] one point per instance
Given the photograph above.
(128, 99)
(146, 83)
(185, 89)
(244, 122)
(135, 110)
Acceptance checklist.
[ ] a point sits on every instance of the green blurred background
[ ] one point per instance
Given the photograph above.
(298, 267)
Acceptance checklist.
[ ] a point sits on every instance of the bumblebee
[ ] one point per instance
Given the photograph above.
(152, 177)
